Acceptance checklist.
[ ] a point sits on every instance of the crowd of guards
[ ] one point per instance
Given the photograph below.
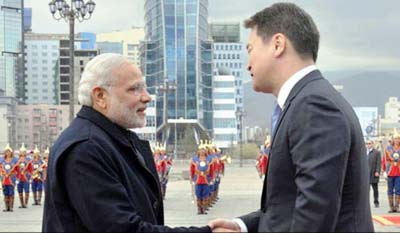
(23, 171)
(207, 168)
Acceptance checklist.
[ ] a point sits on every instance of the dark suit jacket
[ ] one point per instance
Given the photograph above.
(98, 183)
(374, 161)
(317, 178)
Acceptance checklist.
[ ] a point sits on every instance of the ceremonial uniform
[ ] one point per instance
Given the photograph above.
(8, 170)
(37, 177)
(24, 170)
(393, 173)
(161, 168)
(199, 171)
(166, 168)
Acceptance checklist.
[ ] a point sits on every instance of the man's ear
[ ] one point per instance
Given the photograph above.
(280, 42)
(99, 97)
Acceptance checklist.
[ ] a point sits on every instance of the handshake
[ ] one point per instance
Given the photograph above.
(224, 225)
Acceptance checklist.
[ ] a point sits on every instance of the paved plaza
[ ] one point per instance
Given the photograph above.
(240, 193)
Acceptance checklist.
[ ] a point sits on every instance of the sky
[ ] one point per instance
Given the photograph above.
(355, 34)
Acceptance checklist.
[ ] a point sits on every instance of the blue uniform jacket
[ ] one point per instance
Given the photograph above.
(97, 183)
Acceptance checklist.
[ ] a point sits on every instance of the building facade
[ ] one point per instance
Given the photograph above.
(229, 54)
(7, 120)
(110, 47)
(392, 117)
(27, 19)
(40, 124)
(130, 40)
(82, 57)
(177, 63)
(41, 65)
(225, 130)
(11, 35)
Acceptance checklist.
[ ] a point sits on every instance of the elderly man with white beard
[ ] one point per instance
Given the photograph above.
(101, 176)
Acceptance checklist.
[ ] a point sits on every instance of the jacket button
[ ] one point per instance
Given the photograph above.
(155, 205)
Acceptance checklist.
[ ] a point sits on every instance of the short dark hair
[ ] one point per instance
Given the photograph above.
(290, 20)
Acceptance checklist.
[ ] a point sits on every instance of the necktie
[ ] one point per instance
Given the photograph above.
(275, 117)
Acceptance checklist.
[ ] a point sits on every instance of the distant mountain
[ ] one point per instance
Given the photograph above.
(360, 88)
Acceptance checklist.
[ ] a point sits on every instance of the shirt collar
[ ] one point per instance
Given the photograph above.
(291, 82)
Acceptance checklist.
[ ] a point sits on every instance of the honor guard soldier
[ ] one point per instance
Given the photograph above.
(168, 165)
(199, 171)
(44, 166)
(8, 170)
(160, 166)
(37, 177)
(24, 170)
(265, 157)
(393, 173)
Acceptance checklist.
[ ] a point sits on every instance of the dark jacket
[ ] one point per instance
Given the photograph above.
(374, 161)
(317, 178)
(97, 183)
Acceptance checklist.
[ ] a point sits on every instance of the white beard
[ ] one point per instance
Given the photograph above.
(124, 116)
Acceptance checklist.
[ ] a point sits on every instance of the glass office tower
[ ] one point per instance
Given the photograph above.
(10, 45)
(177, 64)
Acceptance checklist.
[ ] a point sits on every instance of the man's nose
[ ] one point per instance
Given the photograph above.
(145, 97)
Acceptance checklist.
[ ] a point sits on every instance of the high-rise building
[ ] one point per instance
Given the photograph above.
(11, 34)
(41, 65)
(228, 53)
(82, 57)
(177, 63)
(110, 47)
(225, 130)
(88, 40)
(27, 19)
(130, 41)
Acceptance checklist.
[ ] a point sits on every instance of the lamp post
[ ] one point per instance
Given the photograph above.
(240, 114)
(78, 10)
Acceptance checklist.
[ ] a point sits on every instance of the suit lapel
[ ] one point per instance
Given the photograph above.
(314, 75)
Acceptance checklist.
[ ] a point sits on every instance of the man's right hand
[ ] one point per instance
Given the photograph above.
(224, 225)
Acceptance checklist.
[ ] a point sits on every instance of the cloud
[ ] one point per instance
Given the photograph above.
(358, 33)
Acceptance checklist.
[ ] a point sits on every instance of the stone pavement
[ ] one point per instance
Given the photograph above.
(240, 193)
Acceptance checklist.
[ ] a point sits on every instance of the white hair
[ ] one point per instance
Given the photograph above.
(98, 73)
